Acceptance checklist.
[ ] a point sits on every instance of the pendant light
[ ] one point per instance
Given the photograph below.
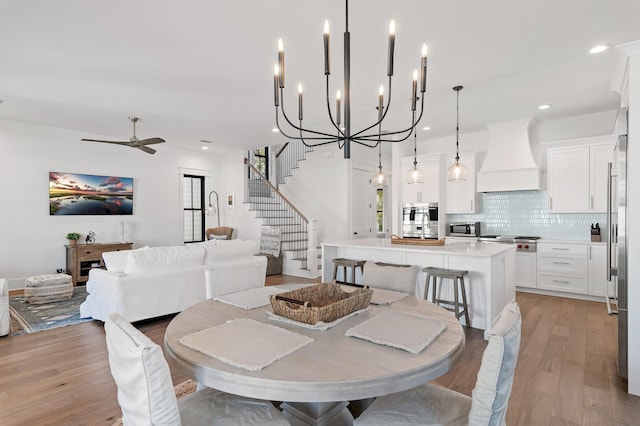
(457, 172)
(379, 179)
(415, 175)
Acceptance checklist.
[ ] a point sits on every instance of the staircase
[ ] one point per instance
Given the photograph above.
(298, 234)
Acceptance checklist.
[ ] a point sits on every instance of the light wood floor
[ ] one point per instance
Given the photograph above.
(565, 375)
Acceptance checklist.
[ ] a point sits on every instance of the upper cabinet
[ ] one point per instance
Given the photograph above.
(577, 178)
(461, 195)
(426, 192)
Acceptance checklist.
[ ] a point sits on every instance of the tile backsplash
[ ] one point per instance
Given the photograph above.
(527, 213)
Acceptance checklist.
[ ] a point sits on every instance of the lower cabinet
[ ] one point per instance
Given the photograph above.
(570, 268)
(562, 267)
(597, 270)
(526, 270)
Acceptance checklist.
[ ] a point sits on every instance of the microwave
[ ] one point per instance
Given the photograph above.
(464, 229)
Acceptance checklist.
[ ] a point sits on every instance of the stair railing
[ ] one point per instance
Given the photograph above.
(277, 210)
(287, 158)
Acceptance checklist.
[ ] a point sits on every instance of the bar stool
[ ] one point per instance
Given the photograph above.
(459, 309)
(347, 263)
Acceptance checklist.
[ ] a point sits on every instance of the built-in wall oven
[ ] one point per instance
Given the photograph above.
(420, 220)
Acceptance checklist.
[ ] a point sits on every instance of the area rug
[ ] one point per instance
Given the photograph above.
(33, 318)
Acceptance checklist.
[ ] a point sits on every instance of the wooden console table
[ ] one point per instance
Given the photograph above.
(82, 257)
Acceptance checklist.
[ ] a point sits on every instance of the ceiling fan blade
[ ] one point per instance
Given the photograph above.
(146, 149)
(115, 142)
(151, 141)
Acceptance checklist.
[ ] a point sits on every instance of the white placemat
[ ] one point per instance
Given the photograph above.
(250, 299)
(246, 343)
(317, 326)
(380, 296)
(386, 297)
(401, 330)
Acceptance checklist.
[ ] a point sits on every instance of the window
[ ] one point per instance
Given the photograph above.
(193, 206)
(380, 210)
(261, 160)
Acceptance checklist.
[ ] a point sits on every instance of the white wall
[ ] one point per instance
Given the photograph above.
(320, 190)
(33, 241)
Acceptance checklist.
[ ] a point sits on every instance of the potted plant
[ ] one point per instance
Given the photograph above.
(73, 238)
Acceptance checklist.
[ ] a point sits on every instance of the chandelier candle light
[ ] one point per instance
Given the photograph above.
(343, 134)
(457, 172)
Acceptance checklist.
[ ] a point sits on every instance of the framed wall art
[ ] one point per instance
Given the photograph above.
(80, 194)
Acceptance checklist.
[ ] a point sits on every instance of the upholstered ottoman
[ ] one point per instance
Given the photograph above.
(48, 288)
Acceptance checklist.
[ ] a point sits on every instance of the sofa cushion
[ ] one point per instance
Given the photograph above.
(116, 261)
(163, 258)
(228, 248)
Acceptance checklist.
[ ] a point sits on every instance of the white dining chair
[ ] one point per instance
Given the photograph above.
(226, 277)
(390, 277)
(146, 395)
(5, 320)
(431, 404)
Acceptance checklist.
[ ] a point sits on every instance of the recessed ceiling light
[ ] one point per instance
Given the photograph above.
(599, 48)
(275, 130)
(426, 128)
(544, 106)
(205, 147)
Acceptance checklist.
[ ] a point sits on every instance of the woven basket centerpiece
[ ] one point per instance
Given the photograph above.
(320, 303)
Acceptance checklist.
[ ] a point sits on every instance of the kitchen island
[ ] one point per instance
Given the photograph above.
(490, 282)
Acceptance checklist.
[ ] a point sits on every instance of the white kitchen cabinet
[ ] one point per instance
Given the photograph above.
(568, 179)
(562, 267)
(577, 178)
(526, 270)
(599, 156)
(597, 270)
(461, 195)
(426, 192)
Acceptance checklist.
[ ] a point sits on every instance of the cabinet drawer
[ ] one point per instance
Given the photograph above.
(562, 282)
(562, 250)
(89, 253)
(563, 264)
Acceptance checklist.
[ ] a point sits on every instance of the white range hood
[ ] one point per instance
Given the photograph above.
(512, 162)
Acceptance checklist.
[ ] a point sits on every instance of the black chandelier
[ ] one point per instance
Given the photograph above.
(344, 135)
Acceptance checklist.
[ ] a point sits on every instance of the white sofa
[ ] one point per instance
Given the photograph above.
(152, 282)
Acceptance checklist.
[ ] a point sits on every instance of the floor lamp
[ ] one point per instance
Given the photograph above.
(211, 210)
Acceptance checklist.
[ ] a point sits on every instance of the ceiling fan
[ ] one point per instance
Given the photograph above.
(134, 142)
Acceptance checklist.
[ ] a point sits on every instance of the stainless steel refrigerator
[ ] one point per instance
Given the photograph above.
(617, 239)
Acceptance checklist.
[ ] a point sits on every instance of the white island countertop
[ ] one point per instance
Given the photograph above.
(471, 248)
(490, 280)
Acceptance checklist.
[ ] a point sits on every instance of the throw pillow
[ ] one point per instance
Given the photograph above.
(217, 237)
(162, 258)
(270, 241)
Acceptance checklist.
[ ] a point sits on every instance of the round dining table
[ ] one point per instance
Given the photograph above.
(317, 381)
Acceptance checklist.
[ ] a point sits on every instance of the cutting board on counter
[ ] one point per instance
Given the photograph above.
(416, 241)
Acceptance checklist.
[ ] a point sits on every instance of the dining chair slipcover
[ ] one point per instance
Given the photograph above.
(146, 395)
(431, 404)
(227, 277)
(5, 320)
(390, 277)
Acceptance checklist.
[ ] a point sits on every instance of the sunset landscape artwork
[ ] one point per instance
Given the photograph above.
(80, 194)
